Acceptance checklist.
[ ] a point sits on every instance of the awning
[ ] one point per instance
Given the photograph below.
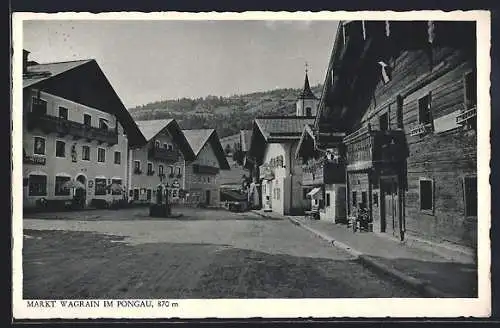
(314, 192)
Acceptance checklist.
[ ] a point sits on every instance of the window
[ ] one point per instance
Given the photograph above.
(375, 199)
(39, 106)
(118, 157)
(424, 109)
(174, 193)
(178, 170)
(116, 191)
(157, 144)
(103, 123)
(61, 189)
(170, 147)
(100, 186)
(208, 179)
(354, 199)
(150, 168)
(470, 93)
(308, 111)
(60, 149)
(384, 122)
(86, 153)
(160, 169)
(37, 185)
(171, 170)
(148, 194)
(39, 146)
(426, 195)
(328, 199)
(87, 120)
(101, 155)
(137, 167)
(470, 196)
(63, 113)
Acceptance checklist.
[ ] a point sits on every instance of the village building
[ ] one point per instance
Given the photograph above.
(271, 156)
(202, 173)
(159, 163)
(76, 132)
(405, 93)
(323, 173)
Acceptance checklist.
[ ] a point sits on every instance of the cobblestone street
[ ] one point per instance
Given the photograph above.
(202, 254)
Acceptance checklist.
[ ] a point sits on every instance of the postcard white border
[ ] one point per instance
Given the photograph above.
(272, 308)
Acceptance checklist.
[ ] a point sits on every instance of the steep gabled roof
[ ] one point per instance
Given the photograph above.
(152, 128)
(268, 129)
(274, 128)
(83, 82)
(198, 138)
(41, 72)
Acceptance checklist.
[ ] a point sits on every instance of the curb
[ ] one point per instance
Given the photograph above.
(417, 284)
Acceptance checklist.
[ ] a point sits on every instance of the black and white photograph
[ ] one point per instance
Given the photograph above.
(272, 165)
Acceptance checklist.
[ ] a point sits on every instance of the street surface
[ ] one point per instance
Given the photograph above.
(203, 254)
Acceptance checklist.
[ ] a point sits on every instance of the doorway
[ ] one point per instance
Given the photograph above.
(391, 207)
(81, 193)
(207, 197)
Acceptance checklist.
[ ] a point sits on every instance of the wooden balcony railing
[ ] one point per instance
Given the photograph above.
(163, 154)
(323, 171)
(53, 124)
(205, 169)
(367, 147)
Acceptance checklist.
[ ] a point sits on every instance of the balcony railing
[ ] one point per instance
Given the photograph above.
(367, 147)
(323, 172)
(205, 169)
(467, 115)
(163, 154)
(53, 124)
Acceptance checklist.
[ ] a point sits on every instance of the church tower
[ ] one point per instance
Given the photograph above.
(307, 103)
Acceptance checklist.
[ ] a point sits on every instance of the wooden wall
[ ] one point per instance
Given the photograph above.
(445, 155)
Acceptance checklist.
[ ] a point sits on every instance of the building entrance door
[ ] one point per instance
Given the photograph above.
(390, 209)
(207, 197)
(81, 193)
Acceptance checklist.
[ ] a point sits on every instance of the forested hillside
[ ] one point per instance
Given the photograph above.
(228, 115)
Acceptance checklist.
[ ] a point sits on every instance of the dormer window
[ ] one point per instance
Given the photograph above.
(157, 144)
(39, 106)
(103, 123)
(87, 120)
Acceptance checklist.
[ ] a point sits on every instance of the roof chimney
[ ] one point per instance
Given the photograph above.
(25, 60)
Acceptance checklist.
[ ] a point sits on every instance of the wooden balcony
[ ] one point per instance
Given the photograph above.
(367, 147)
(318, 172)
(52, 124)
(205, 169)
(163, 154)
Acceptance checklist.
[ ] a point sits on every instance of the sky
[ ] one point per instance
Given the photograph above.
(147, 61)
